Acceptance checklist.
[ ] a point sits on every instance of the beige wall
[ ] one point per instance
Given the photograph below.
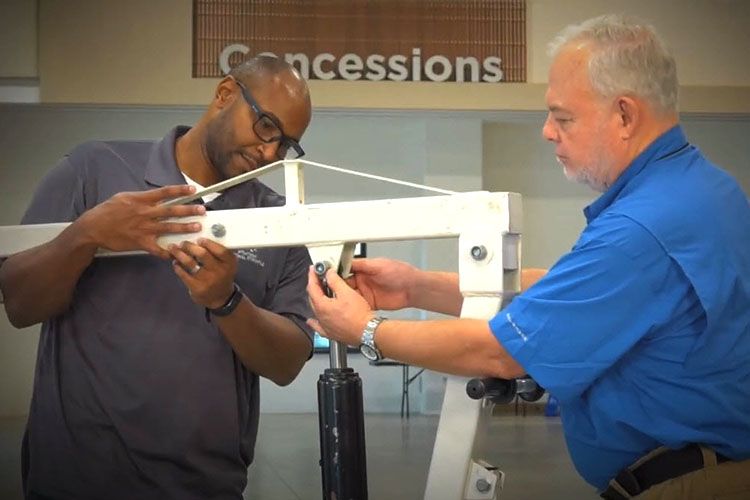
(18, 38)
(709, 38)
(139, 52)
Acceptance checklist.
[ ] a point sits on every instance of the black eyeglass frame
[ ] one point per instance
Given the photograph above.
(283, 139)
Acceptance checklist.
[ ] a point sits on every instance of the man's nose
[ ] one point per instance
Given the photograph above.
(268, 150)
(549, 131)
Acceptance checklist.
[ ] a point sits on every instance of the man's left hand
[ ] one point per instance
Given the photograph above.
(207, 269)
(341, 318)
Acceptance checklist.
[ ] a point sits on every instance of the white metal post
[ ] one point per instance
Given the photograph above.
(294, 183)
(489, 260)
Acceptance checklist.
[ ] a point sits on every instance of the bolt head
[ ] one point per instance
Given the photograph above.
(320, 268)
(483, 486)
(478, 252)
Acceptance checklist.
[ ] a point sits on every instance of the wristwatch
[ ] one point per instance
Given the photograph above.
(230, 305)
(367, 344)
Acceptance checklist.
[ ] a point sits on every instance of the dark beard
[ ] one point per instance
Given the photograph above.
(217, 151)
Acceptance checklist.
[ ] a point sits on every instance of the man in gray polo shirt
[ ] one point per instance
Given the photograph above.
(147, 376)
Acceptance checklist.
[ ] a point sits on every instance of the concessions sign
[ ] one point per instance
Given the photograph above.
(375, 40)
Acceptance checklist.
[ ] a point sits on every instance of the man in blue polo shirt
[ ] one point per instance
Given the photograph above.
(642, 330)
(146, 384)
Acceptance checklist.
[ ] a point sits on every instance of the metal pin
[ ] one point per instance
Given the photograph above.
(320, 269)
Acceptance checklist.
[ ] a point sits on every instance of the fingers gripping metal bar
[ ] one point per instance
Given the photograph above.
(337, 257)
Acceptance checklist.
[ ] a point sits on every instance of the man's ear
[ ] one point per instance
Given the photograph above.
(628, 115)
(225, 92)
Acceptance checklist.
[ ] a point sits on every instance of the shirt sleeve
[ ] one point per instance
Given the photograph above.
(59, 197)
(289, 298)
(592, 307)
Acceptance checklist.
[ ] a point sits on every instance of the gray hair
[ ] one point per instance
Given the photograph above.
(627, 57)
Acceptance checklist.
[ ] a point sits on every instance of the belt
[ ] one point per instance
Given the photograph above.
(660, 468)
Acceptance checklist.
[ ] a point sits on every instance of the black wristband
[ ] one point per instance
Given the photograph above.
(231, 304)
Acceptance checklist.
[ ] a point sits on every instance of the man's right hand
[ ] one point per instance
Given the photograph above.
(133, 220)
(35, 285)
(384, 283)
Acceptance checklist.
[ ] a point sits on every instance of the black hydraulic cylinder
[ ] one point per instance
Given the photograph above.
(503, 391)
(342, 435)
(498, 390)
(529, 390)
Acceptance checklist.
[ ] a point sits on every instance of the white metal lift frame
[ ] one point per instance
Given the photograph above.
(488, 228)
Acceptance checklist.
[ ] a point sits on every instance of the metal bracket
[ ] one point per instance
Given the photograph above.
(485, 481)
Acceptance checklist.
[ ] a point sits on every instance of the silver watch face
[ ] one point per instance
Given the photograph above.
(368, 352)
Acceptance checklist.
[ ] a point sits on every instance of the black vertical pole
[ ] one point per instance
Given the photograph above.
(342, 435)
(341, 421)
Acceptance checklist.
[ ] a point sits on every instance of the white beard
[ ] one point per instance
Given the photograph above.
(588, 176)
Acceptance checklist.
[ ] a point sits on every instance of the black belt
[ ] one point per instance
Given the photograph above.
(662, 467)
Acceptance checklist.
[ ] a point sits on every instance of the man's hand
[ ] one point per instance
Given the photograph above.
(207, 269)
(133, 220)
(384, 283)
(341, 318)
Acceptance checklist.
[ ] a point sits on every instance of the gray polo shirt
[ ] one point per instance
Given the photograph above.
(137, 395)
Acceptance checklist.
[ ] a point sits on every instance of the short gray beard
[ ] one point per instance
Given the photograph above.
(587, 177)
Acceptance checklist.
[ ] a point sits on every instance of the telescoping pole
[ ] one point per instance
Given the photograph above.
(342, 424)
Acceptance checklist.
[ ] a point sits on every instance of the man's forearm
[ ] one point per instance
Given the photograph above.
(439, 292)
(38, 283)
(268, 344)
(457, 346)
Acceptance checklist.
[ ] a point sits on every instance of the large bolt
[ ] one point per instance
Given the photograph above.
(478, 252)
(218, 230)
(321, 267)
(483, 486)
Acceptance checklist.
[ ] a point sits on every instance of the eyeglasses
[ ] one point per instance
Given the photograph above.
(268, 129)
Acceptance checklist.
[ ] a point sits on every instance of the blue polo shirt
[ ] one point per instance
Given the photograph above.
(642, 330)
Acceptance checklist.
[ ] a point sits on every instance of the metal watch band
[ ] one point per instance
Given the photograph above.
(231, 304)
(367, 343)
